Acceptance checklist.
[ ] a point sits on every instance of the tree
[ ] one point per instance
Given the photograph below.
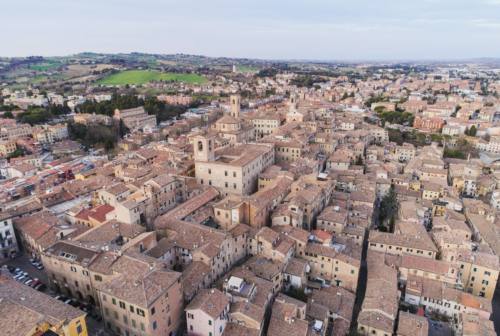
(472, 131)
(18, 152)
(8, 115)
(387, 210)
(95, 135)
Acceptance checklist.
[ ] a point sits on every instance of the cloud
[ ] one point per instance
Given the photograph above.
(486, 23)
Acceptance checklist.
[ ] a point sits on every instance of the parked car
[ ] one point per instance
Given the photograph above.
(38, 265)
(40, 287)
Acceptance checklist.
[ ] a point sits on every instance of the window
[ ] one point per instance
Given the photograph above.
(131, 309)
(73, 269)
(142, 326)
(97, 278)
(122, 305)
(153, 310)
(140, 312)
(79, 329)
(114, 301)
(209, 322)
(154, 325)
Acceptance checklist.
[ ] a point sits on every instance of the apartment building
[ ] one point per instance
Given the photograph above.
(207, 314)
(442, 299)
(13, 132)
(405, 152)
(271, 244)
(266, 124)
(339, 266)
(78, 267)
(309, 196)
(7, 147)
(48, 134)
(155, 197)
(332, 219)
(399, 244)
(191, 242)
(479, 272)
(142, 301)
(8, 241)
(288, 150)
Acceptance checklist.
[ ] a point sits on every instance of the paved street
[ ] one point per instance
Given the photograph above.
(23, 263)
(496, 310)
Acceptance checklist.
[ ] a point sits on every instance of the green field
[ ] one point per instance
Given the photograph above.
(247, 68)
(138, 77)
(45, 66)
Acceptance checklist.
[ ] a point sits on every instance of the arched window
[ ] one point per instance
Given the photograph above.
(200, 145)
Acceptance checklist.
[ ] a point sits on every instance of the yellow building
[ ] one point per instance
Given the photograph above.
(341, 269)
(7, 147)
(27, 312)
(479, 273)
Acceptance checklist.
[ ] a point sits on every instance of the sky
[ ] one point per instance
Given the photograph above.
(266, 29)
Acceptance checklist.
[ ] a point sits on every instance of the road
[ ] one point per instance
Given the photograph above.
(496, 310)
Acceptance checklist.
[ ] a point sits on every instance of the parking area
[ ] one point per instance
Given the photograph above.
(22, 270)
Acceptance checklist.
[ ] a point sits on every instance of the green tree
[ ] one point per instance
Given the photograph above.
(8, 115)
(472, 131)
(388, 209)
